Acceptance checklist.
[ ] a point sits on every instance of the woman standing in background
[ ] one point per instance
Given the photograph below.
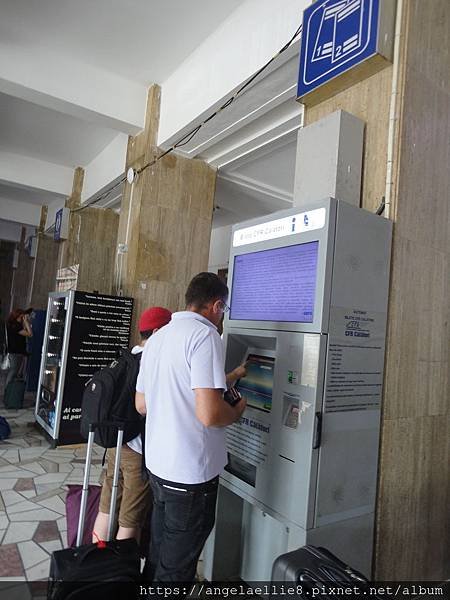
(18, 329)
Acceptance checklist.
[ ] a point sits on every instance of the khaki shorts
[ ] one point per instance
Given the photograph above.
(133, 495)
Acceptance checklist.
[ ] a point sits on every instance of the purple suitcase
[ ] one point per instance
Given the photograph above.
(73, 505)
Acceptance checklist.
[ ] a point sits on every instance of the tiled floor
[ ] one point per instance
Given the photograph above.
(33, 480)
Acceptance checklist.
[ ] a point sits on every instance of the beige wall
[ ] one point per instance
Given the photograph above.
(368, 100)
(6, 273)
(46, 264)
(91, 243)
(22, 276)
(414, 496)
(170, 221)
(413, 516)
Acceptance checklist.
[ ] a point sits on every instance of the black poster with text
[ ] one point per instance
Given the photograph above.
(100, 325)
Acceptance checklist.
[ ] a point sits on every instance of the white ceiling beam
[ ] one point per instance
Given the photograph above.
(20, 212)
(258, 188)
(280, 125)
(10, 232)
(73, 88)
(23, 171)
(106, 168)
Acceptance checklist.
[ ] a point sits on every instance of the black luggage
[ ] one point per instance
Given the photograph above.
(14, 394)
(94, 570)
(315, 567)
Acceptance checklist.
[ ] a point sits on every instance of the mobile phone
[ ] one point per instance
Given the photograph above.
(232, 396)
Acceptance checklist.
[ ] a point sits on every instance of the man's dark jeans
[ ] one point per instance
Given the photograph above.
(182, 520)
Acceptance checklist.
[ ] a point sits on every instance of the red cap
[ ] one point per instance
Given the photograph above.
(154, 318)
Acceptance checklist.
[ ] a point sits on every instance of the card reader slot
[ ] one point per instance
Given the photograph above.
(318, 431)
(286, 458)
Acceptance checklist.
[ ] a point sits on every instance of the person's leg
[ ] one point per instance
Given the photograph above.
(102, 520)
(188, 520)
(23, 368)
(135, 497)
(156, 531)
(100, 530)
(16, 361)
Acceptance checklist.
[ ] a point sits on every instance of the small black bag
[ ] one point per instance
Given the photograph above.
(109, 396)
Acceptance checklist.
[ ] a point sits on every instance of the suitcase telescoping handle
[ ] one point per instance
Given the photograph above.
(87, 472)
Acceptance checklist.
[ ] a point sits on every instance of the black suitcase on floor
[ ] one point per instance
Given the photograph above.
(14, 394)
(101, 570)
(311, 567)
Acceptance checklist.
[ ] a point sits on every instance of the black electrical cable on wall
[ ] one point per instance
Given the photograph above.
(100, 198)
(188, 137)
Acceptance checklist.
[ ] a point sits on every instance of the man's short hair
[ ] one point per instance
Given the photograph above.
(204, 288)
(146, 334)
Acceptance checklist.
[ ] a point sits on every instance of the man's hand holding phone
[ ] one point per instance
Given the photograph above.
(233, 397)
(240, 406)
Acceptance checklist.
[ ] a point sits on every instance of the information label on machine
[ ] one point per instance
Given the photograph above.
(248, 439)
(270, 230)
(354, 360)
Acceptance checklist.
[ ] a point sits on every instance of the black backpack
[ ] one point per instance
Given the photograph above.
(109, 396)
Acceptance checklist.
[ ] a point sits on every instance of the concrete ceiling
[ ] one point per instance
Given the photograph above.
(39, 132)
(140, 40)
(74, 77)
(260, 183)
(11, 231)
(253, 145)
(74, 74)
(27, 195)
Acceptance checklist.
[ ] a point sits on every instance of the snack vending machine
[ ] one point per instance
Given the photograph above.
(83, 332)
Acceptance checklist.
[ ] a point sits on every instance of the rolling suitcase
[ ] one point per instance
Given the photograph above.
(14, 394)
(315, 567)
(73, 505)
(93, 571)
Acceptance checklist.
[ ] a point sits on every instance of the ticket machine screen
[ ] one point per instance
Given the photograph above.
(275, 285)
(256, 387)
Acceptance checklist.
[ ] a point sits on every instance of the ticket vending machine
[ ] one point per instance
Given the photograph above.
(308, 297)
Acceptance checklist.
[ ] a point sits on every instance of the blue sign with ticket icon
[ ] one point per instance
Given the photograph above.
(337, 35)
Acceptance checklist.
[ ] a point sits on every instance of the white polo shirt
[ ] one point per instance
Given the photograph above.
(184, 355)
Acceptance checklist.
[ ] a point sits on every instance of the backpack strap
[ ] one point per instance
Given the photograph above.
(144, 472)
(6, 338)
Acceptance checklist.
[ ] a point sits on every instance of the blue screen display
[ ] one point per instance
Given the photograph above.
(275, 285)
(256, 387)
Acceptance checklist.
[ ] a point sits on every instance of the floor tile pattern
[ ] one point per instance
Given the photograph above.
(33, 480)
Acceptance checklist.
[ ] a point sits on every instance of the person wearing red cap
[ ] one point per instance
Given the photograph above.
(134, 495)
(151, 320)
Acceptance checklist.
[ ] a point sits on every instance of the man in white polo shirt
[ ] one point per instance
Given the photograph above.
(180, 386)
